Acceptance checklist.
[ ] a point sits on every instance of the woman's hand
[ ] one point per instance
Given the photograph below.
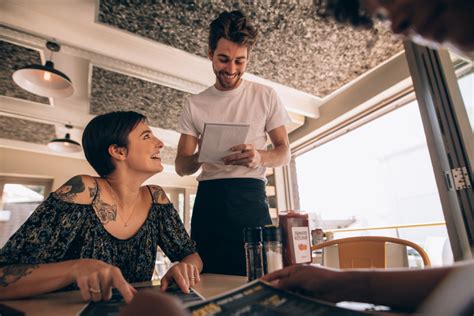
(96, 279)
(185, 275)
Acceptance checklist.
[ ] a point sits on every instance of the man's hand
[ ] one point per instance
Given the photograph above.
(185, 275)
(246, 155)
(323, 283)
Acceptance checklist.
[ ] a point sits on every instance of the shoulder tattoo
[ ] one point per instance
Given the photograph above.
(106, 212)
(70, 189)
(160, 196)
(93, 191)
(13, 273)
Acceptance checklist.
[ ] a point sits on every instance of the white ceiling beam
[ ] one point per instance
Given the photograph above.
(59, 116)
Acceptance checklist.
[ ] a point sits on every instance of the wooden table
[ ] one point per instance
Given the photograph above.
(70, 303)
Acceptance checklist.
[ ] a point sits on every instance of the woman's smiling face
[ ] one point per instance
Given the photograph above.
(143, 152)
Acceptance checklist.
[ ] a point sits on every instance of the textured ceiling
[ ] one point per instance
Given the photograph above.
(296, 48)
(13, 57)
(26, 131)
(111, 91)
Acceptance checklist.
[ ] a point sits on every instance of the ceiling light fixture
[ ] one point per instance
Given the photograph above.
(44, 80)
(66, 144)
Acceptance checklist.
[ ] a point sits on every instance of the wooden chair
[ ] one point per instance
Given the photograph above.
(368, 252)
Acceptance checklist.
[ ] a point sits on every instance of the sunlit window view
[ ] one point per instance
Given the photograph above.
(377, 175)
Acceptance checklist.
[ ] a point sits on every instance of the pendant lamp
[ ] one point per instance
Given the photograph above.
(66, 144)
(44, 80)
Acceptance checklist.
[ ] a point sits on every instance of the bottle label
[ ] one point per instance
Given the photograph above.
(301, 244)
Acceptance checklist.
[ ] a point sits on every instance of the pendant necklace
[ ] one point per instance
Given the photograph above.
(114, 197)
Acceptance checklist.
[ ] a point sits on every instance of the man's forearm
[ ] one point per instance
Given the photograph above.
(276, 157)
(186, 165)
(408, 288)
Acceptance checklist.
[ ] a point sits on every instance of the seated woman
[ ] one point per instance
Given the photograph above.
(99, 233)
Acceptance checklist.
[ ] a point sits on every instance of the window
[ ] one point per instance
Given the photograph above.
(378, 174)
(181, 205)
(176, 197)
(192, 198)
(19, 198)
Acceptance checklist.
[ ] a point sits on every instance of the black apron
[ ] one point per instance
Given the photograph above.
(222, 209)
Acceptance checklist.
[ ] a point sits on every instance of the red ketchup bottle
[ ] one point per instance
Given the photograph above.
(294, 227)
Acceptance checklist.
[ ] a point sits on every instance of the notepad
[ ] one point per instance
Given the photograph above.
(218, 138)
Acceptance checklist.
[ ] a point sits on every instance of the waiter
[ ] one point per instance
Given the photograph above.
(231, 194)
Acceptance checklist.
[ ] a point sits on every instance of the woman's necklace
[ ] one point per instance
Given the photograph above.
(114, 197)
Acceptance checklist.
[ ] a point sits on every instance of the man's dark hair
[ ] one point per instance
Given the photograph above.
(105, 130)
(233, 26)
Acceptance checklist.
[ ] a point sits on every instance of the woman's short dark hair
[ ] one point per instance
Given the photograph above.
(233, 26)
(105, 130)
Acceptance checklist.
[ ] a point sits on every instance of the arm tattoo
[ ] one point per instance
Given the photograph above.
(106, 212)
(13, 273)
(160, 196)
(70, 189)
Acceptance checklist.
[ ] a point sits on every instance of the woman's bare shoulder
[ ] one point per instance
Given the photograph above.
(80, 189)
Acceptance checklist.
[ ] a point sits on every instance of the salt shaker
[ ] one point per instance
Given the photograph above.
(272, 249)
(253, 252)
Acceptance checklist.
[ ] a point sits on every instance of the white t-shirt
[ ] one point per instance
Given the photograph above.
(251, 103)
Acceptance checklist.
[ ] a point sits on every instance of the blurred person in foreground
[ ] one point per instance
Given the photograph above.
(436, 23)
(430, 291)
(401, 289)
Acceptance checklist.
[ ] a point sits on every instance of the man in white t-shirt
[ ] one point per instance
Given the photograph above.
(231, 194)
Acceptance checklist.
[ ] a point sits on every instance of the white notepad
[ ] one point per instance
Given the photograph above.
(218, 138)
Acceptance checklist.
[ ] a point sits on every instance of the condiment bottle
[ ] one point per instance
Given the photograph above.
(295, 235)
(253, 252)
(317, 235)
(272, 249)
(329, 236)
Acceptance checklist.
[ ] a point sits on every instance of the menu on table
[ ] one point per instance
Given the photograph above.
(113, 306)
(259, 298)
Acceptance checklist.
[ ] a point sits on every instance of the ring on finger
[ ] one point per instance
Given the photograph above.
(95, 291)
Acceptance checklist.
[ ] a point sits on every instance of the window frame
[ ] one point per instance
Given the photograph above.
(445, 122)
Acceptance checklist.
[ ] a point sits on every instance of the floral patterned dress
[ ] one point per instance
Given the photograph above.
(58, 231)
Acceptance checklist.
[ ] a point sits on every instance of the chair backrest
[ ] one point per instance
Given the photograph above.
(367, 251)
